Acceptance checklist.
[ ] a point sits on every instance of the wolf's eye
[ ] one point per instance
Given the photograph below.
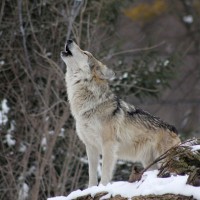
(84, 52)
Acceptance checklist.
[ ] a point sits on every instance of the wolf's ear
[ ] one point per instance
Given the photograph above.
(103, 72)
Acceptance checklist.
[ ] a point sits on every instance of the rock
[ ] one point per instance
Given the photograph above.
(98, 196)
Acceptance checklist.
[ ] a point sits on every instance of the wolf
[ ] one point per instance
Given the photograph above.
(106, 124)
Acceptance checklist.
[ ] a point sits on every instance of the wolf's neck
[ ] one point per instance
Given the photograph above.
(84, 96)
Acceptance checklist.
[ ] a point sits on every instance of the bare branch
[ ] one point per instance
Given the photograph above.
(23, 34)
(74, 13)
(108, 57)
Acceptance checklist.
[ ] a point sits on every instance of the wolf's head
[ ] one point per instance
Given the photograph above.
(83, 63)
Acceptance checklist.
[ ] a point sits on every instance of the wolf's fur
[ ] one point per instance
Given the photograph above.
(106, 124)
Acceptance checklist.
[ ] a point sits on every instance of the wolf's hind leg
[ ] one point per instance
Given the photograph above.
(148, 159)
(93, 159)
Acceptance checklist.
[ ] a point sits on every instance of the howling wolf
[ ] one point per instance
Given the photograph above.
(106, 124)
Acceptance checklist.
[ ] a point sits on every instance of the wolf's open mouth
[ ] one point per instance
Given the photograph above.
(67, 51)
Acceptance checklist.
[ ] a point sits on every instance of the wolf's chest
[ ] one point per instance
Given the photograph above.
(90, 132)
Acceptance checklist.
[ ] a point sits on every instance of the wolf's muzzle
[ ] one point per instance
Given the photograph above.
(69, 42)
(67, 51)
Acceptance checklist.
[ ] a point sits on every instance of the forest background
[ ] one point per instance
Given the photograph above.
(152, 45)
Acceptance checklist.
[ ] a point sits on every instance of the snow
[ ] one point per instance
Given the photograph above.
(125, 75)
(158, 81)
(4, 109)
(9, 140)
(188, 19)
(195, 147)
(22, 148)
(9, 136)
(2, 62)
(62, 132)
(149, 184)
(48, 54)
(23, 192)
(166, 62)
(44, 143)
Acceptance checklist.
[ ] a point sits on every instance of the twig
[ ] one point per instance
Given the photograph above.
(74, 13)
(48, 109)
(140, 88)
(23, 34)
(2, 10)
(108, 57)
(81, 22)
(163, 156)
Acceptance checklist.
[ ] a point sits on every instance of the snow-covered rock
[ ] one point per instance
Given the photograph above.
(149, 184)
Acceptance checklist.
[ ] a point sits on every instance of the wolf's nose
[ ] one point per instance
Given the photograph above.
(69, 42)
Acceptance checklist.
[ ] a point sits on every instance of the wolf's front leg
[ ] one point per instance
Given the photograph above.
(109, 158)
(93, 159)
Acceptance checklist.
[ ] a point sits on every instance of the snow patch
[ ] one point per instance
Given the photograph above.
(9, 140)
(2, 62)
(125, 75)
(62, 132)
(4, 109)
(149, 184)
(166, 62)
(44, 143)
(22, 148)
(9, 136)
(48, 54)
(195, 147)
(23, 192)
(188, 19)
